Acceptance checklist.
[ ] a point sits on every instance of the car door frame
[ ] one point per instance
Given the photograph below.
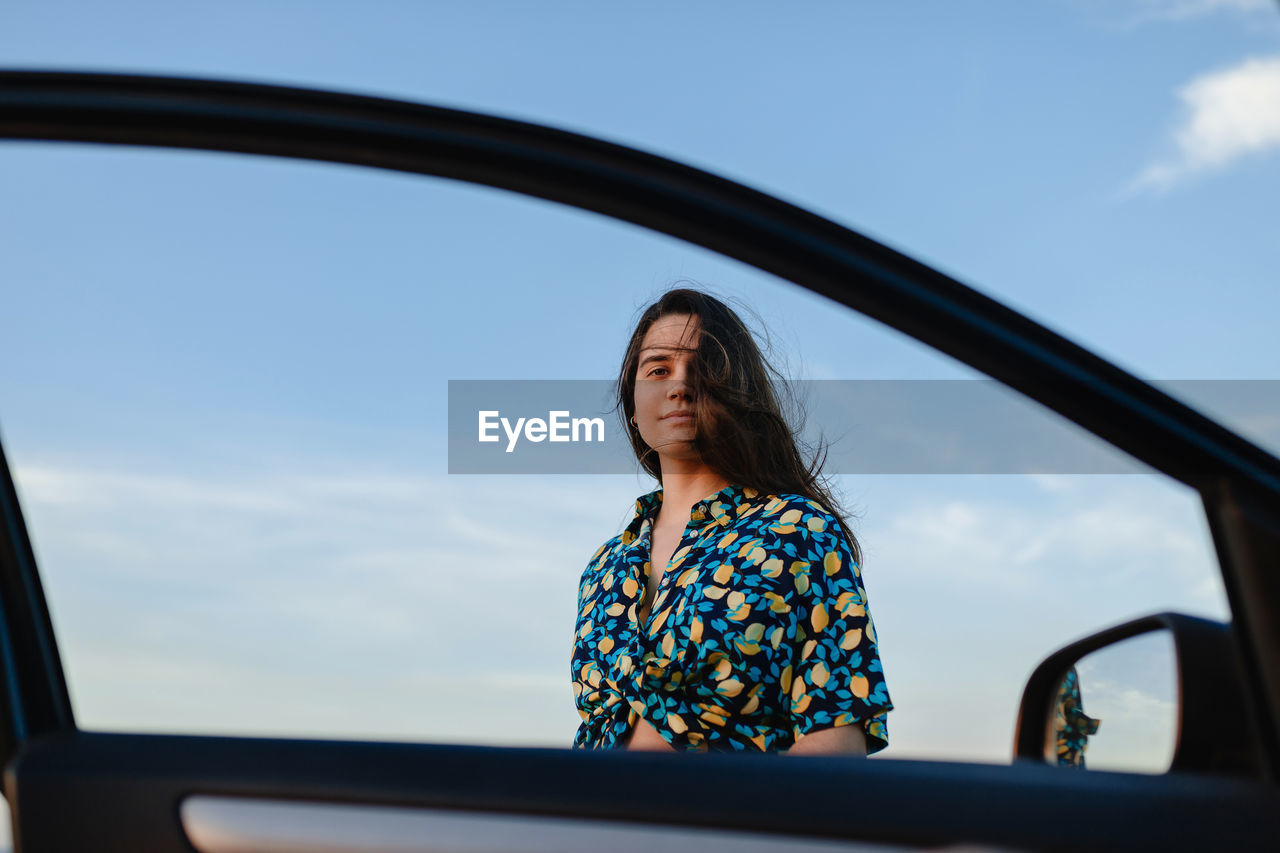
(51, 760)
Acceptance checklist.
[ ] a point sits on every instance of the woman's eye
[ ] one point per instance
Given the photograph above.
(656, 369)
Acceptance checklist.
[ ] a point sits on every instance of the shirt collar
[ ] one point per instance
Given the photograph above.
(722, 506)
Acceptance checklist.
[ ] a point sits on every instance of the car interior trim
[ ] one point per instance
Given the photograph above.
(218, 824)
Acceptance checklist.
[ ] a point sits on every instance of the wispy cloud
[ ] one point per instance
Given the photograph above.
(248, 596)
(1229, 114)
(957, 563)
(1183, 10)
(1127, 535)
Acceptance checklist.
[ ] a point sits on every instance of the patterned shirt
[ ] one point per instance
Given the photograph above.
(759, 630)
(1072, 726)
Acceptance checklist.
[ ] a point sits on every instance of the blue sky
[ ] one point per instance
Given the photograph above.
(1049, 112)
(222, 379)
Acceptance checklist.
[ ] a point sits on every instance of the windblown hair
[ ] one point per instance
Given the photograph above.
(741, 432)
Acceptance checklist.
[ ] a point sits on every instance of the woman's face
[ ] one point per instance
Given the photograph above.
(664, 411)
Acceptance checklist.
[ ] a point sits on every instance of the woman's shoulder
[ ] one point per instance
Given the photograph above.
(598, 566)
(608, 549)
(800, 526)
(789, 508)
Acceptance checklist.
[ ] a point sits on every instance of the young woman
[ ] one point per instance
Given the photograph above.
(730, 613)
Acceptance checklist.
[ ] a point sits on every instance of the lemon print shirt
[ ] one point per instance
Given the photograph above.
(759, 631)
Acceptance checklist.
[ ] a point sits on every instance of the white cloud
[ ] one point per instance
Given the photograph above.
(1230, 114)
(243, 598)
(1123, 533)
(1182, 10)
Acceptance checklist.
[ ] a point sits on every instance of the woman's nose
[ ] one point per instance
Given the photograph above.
(678, 380)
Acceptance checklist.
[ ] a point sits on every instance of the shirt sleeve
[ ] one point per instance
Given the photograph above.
(835, 677)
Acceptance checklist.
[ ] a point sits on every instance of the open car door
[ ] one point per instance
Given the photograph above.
(72, 789)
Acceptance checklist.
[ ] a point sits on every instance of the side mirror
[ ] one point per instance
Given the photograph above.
(1160, 693)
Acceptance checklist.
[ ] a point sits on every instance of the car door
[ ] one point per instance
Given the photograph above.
(70, 789)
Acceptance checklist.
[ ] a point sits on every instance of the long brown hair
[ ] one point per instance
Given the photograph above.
(741, 432)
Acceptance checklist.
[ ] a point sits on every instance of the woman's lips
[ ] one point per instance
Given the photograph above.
(681, 418)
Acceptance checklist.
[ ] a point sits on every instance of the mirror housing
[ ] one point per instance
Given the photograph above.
(1216, 730)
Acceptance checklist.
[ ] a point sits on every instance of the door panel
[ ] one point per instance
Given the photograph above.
(127, 793)
(242, 824)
